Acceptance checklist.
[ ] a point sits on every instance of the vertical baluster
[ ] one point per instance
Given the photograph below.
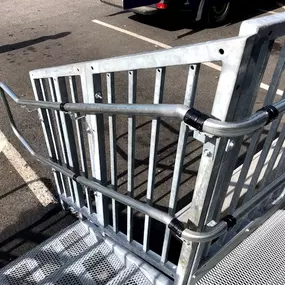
(68, 139)
(60, 135)
(92, 93)
(256, 137)
(113, 147)
(158, 95)
(131, 150)
(48, 129)
(80, 139)
(190, 94)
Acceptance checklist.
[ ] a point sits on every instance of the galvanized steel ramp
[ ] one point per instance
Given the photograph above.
(77, 256)
(259, 259)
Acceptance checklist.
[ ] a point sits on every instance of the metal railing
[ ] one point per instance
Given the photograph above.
(225, 198)
(168, 220)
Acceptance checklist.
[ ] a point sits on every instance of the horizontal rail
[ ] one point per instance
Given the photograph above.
(170, 221)
(155, 110)
(190, 116)
(238, 215)
(208, 125)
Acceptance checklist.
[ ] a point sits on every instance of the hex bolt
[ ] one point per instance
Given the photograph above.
(207, 152)
(98, 95)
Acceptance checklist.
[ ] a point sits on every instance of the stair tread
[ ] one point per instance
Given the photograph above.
(259, 259)
(75, 256)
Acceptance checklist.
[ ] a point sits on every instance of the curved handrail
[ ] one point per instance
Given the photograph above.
(142, 207)
(161, 216)
(207, 125)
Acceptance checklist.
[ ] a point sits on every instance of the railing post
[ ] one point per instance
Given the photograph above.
(91, 88)
(234, 100)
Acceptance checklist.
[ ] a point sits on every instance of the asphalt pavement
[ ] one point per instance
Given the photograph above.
(38, 34)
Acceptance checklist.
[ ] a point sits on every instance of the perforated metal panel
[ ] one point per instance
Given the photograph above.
(259, 260)
(76, 256)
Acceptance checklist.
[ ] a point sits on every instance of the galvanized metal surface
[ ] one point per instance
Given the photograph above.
(226, 51)
(78, 89)
(78, 255)
(259, 259)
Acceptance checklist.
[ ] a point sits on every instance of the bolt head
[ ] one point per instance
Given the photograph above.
(207, 152)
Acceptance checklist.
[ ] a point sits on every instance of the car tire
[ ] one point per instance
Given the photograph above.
(217, 12)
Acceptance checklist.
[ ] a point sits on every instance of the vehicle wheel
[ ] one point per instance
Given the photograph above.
(217, 11)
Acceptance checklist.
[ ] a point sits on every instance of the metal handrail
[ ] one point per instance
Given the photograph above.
(206, 124)
(156, 110)
(142, 207)
(161, 216)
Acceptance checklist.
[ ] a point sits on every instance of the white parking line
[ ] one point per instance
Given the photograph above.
(162, 45)
(156, 43)
(25, 171)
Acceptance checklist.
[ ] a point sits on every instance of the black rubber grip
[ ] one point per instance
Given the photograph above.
(230, 220)
(271, 111)
(195, 119)
(176, 227)
(61, 107)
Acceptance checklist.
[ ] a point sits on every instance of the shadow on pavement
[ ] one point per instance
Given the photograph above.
(19, 45)
(14, 244)
(47, 182)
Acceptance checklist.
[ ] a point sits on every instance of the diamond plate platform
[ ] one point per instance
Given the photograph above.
(258, 260)
(79, 256)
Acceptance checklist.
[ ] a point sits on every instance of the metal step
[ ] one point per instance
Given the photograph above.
(78, 255)
(259, 259)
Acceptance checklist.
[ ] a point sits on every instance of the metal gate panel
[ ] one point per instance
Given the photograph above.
(229, 52)
(72, 108)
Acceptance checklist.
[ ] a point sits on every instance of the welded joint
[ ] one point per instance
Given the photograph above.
(271, 111)
(195, 119)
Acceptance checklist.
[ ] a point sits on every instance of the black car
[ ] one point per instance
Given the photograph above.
(211, 11)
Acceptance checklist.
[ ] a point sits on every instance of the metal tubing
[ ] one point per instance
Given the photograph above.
(80, 140)
(239, 214)
(202, 237)
(272, 161)
(124, 199)
(139, 206)
(211, 126)
(229, 129)
(110, 77)
(62, 154)
(132, 89)
(160, 216)
(40, 90)
(142, 207)
(259, 197)
(252, 188)
(155, 127)
(189, 99)
(69, 145)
